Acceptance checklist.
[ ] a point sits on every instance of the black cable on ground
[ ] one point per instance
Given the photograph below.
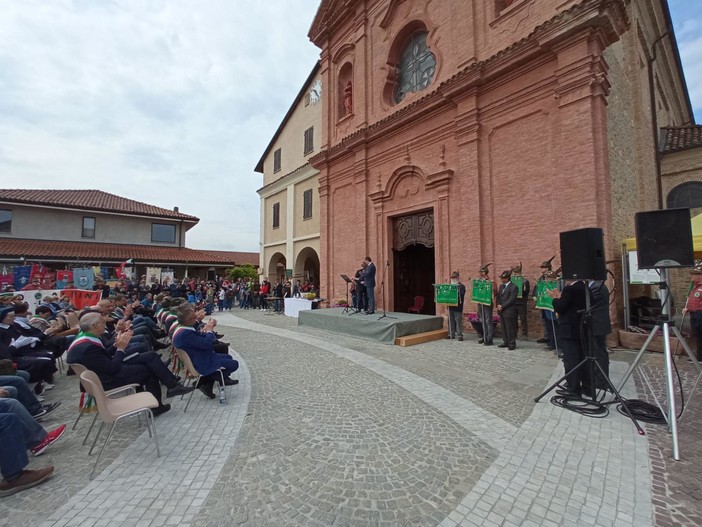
(579, 405)
(643, 411)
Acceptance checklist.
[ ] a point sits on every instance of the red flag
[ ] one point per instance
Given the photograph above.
(82, 298)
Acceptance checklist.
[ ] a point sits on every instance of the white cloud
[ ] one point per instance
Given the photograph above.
(170, 102)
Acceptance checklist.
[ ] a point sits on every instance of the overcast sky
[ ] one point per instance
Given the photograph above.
(171, 102)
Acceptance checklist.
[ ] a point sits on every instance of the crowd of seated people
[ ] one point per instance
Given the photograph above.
(28, 354)
(119, 338)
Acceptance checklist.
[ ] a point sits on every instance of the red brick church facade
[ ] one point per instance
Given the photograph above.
(503, 145)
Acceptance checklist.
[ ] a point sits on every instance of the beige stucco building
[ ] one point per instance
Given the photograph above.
(64, 229)
(289, 196)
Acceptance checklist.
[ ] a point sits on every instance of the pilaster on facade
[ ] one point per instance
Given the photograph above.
(582, 70)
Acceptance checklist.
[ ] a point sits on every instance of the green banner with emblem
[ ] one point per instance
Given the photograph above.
(446, 294)
(482, 292)
(518, 280)
(543, 300)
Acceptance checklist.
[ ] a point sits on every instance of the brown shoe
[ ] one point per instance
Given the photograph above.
(28, 479)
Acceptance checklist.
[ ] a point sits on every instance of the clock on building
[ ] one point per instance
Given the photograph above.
(316, 92)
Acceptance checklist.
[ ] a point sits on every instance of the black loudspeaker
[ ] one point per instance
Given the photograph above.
(582, 254)
(664, 239)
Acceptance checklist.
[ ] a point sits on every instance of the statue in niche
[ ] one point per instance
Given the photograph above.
(348, 98)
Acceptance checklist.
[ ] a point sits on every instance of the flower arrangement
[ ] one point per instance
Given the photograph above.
(309, 296)
(473, 318)
(339, 303)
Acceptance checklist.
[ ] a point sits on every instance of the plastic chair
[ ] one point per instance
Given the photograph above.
(192, 373)
(112, 410)
(418, 305)
(128, 388)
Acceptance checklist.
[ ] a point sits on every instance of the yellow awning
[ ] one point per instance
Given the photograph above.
(696, 237)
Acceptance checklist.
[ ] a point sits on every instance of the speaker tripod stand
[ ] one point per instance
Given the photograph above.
(667, 326)
(593, 367)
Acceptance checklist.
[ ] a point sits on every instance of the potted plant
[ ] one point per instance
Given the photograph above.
(477, 324)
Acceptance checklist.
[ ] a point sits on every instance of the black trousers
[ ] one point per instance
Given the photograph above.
(572, 355)
(147, 369)
(509, 329)
(599, 351)
(522, 312)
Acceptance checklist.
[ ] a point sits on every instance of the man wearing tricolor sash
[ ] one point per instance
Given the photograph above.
(199, 345)
(109, 364)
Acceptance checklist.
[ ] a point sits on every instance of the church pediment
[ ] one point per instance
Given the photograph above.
(329, 14)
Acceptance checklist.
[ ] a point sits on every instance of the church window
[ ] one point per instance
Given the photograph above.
(686, 195)
(416, 66)
(503, 4)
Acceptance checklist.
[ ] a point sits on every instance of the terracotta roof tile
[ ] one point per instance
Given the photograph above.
(681, 138)
(89, 200)
(98, 252)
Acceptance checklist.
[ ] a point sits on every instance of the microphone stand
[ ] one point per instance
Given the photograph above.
(382, 292)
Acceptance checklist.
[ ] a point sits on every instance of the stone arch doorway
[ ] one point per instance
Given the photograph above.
(307, 266)
(276, 268)
(414, 261)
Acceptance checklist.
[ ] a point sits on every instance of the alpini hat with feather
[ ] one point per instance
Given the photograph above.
(484, 268)
(547, 263)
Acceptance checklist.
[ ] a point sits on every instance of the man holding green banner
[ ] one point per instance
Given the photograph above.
(456, 312)
(544, 303)
(523, 288)
(483, 294)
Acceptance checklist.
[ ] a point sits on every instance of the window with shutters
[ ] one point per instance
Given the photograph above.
(307, 202)
(309, 140)
(276, 215)
(276, 160)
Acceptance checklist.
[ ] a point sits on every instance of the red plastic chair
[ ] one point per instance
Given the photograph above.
(418, 305)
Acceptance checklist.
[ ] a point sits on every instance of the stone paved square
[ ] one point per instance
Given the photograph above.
(328, 430)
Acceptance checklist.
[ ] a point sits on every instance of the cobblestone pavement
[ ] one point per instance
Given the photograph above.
(329, 430)
(676, 485)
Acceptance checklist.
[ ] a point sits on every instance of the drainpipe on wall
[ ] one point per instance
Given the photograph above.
(654, 117)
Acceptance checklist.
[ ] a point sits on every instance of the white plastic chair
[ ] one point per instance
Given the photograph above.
(112, 410)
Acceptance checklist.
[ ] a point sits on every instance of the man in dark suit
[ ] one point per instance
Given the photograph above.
(570, 305)
(601, 327)
(369, 284)
(507, 309)
(145, 369)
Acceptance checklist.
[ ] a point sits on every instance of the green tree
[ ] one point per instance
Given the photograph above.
(242, 271)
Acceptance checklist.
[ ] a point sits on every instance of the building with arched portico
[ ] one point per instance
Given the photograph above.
(289, 196)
